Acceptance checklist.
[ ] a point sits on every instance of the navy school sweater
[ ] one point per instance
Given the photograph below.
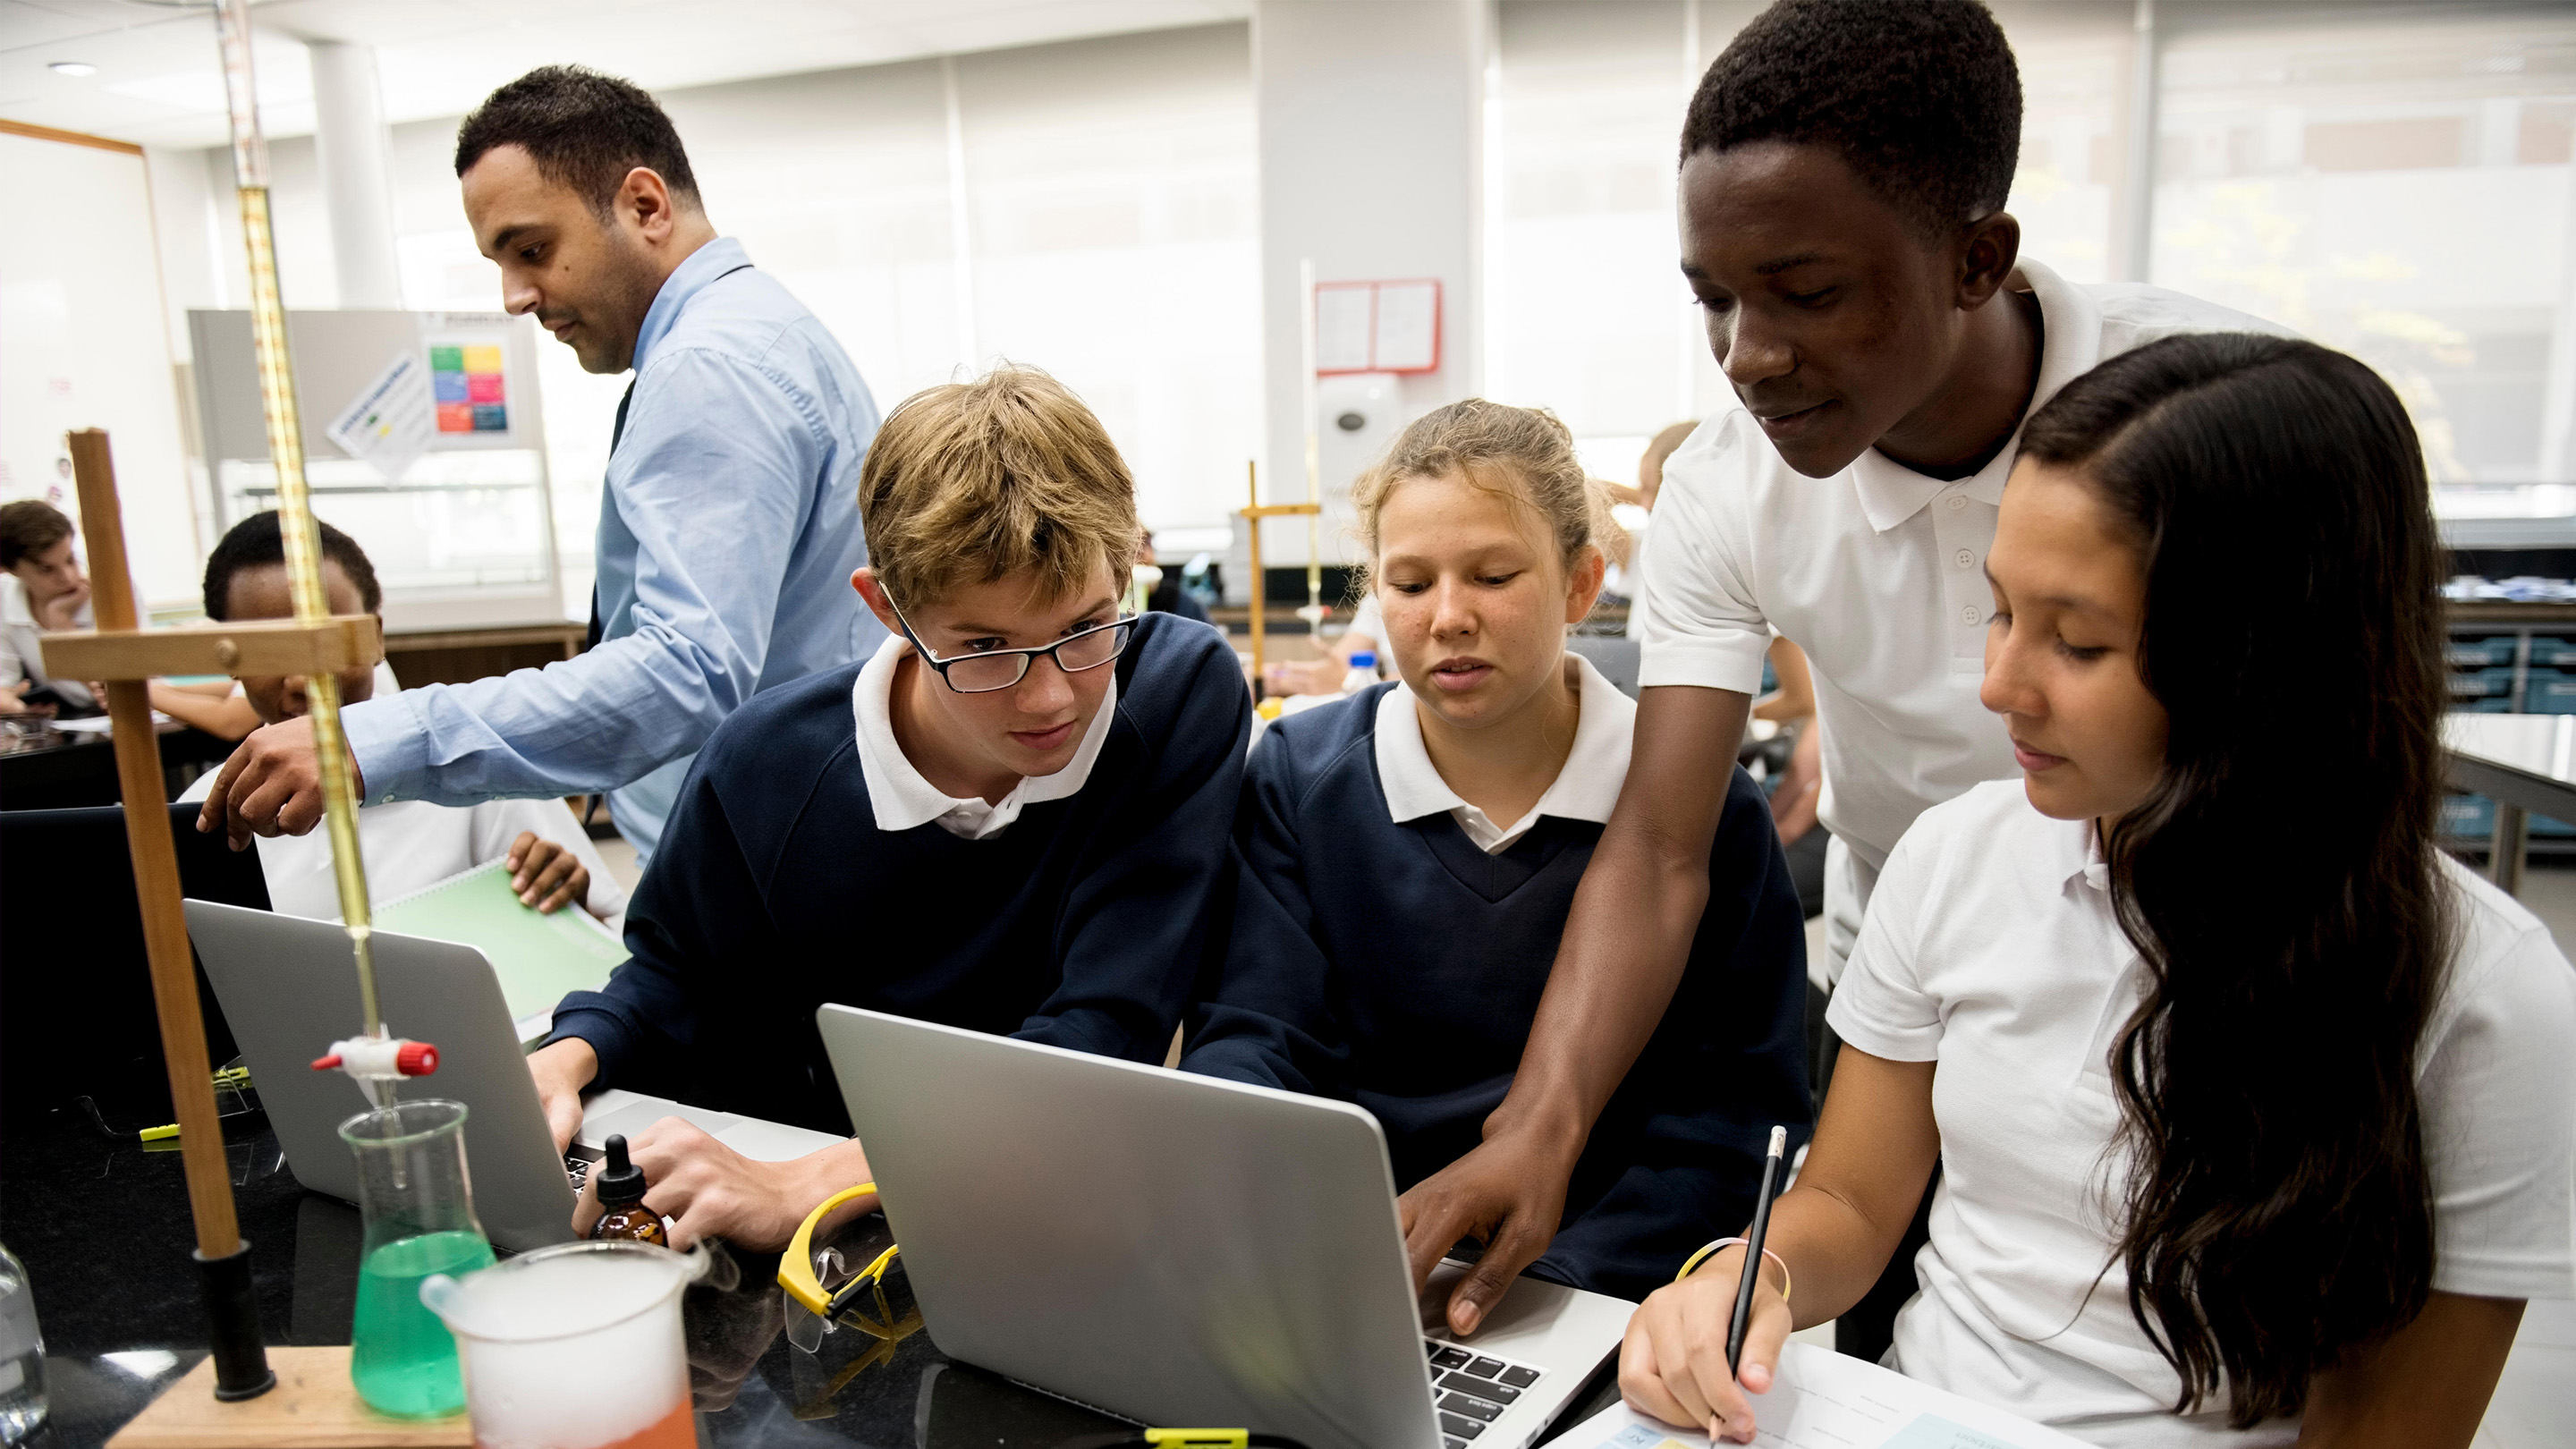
(1082, 925)
(1399, 967)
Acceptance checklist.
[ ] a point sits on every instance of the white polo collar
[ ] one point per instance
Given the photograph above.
(902, 800)
(2075, 850)
(1586, 789)
(1891, 493)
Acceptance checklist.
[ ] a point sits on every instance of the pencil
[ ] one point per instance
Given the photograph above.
(1753, 1248)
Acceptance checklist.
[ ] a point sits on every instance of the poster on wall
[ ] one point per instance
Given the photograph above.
(471, 395)
(467, 381)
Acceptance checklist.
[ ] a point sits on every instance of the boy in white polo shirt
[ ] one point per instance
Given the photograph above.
(1843, 176)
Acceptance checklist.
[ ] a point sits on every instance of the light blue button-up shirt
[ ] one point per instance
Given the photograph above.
(726, 543)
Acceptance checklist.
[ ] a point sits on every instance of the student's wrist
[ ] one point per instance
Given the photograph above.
(1544, 1125)
(1774, 1271)
(568, 1064)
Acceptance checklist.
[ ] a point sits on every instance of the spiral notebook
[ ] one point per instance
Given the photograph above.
(537, 957)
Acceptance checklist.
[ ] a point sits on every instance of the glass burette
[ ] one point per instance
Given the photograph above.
(294, 501)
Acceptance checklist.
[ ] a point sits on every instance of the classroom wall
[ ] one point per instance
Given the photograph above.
(82, 346)
(1372, 168)
(1092, 210)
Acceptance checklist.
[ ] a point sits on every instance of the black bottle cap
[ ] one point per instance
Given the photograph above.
(621, 1182)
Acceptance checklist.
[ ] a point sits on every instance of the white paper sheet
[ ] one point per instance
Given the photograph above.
(1343, 313)
(389, 424)
(1826, 1400)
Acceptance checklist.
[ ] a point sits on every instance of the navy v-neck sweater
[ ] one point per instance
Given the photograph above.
(1399, 967)
(1082, 925)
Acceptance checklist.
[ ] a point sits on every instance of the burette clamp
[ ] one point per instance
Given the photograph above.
(379, 1058)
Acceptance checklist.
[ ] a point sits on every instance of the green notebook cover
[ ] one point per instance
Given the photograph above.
(538, 958)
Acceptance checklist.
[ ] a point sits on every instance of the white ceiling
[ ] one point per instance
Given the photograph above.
(158, 81)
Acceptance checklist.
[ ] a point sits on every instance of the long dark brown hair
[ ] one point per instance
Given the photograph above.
(2280, 880)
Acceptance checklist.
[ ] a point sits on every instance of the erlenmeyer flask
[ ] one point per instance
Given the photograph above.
(419, 1215)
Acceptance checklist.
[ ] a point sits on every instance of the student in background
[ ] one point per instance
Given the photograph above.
(1409, 855)
(42, 591)
(1844, 169)
(1650, 486)
(1167, 596)
(1012, 818)
(407, 844)
(2243, 1144)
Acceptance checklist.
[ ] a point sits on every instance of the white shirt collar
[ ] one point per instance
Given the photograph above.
(1587, 788)
(1891, 493)
(2076, 856)
(903, 800)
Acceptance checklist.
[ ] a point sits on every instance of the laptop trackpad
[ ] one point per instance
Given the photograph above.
(772, 1141)
(631, 1119)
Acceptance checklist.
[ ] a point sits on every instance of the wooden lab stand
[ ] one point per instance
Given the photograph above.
(1260, 581)
(236, 1397)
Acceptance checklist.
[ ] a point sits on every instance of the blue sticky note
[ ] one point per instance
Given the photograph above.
(447, 387)
(1931, 1431)
(491, 418)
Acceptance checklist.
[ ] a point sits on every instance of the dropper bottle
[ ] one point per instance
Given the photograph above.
(621, 1193)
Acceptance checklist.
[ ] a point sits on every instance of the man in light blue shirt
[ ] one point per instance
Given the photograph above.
(730, 528)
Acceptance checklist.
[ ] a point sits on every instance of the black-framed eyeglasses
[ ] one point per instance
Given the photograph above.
(994, 669)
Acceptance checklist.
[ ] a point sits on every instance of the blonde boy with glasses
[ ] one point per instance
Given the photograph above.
(1013, 818)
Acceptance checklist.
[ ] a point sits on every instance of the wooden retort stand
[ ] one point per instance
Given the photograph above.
(1260, 581)
(125, 657)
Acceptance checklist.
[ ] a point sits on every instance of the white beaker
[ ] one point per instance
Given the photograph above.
(575, 1347)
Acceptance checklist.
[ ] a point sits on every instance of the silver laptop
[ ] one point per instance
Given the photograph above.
(1177, 1250)
(289, 991)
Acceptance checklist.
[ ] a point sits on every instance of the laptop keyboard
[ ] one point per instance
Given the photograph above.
(1472, 1389)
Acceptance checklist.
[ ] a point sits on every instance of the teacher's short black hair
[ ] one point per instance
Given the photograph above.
(1920, 97)
(584, 130)
(257, 543)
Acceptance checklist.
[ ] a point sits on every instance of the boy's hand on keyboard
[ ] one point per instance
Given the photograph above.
(561, 1070)
(1508, 1193)
(705, 1189)
(546, 876)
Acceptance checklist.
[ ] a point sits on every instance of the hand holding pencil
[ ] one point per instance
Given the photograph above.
(1701, 1345)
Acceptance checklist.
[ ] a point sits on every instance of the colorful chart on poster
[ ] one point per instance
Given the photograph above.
(467, 382)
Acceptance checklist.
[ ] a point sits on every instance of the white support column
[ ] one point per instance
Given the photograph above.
(356, 158)
(1372, 156)
(2135, 209)
(2558, 385)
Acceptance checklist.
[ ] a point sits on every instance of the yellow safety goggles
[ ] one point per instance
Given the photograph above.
(796, 1266)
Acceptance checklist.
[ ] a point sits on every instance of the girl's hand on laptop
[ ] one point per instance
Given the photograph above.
(547, 876)
(1673, 1364)
(705, 1189)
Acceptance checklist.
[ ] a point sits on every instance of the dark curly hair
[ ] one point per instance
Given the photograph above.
(256, 543)
(1920, 97)
(583, 129)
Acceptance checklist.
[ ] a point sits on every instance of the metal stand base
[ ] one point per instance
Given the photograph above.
(232, 1315)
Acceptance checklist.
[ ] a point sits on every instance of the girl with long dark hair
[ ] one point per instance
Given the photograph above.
(2253, 1106)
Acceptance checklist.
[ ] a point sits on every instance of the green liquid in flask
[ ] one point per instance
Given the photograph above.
(403, 1359)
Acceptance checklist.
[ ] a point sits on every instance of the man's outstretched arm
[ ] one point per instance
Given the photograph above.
(1625, 945)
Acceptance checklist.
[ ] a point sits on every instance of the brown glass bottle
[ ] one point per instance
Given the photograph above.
(621, 1192)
